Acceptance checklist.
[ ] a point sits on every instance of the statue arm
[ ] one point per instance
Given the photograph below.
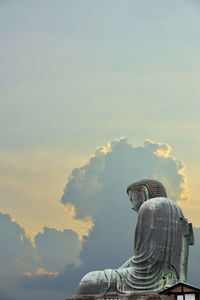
(190, 235)
(188, 231)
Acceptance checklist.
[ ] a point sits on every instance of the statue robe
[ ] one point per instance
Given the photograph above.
(160, 253)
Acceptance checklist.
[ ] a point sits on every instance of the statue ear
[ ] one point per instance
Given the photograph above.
(144, 193)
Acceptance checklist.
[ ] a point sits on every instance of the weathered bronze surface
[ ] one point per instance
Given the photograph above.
(161, 248)
(132, 296)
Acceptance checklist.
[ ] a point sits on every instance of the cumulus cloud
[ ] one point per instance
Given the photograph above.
(17, 253)
(117, 165)
(52, 251)
(21, 259)
(83, 184)
(56, 249)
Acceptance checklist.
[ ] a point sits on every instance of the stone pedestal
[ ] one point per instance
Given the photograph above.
(132, 296)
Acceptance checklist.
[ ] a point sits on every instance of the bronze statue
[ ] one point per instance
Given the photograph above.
(161, 246)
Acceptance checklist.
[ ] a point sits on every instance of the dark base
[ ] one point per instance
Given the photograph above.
(132, 296)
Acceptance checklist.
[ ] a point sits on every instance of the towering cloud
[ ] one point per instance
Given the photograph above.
(94, 187)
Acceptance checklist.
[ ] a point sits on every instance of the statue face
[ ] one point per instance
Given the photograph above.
(135, 200)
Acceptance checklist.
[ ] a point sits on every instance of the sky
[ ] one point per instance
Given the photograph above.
(79, 82)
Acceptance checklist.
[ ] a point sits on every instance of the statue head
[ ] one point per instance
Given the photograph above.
(144, 189)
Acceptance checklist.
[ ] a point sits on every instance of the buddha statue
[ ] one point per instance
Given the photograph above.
(161, 246)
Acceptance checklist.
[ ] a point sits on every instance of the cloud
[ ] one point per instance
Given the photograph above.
(21, 260)
(84, 184)
(117, 165)
(17, 253)
(41, 272)
(65, 281)
(56, 249)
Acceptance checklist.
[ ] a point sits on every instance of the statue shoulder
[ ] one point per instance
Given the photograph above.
(159, 203)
